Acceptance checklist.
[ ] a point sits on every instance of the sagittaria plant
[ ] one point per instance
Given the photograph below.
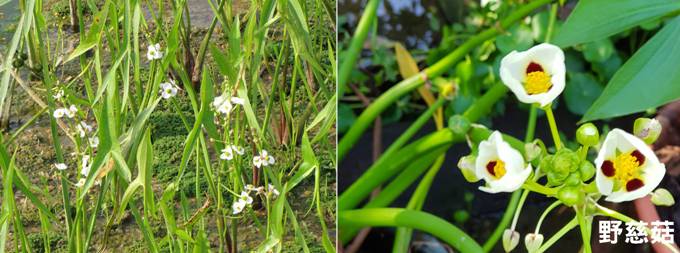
(625, 168)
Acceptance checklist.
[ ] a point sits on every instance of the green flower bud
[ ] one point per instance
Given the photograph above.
(546, 164)
(570, 195)
(565, 160)
(532, 151)
(557, 177)
(587, 170)
(587, 135)
(533, 242)
(466, 164)
(647, 129)
(662, 197)
(573, 179)
(510, 240)
(459, 124)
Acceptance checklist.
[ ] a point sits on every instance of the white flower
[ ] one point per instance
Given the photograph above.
(83, 128)
(86, 165)
(249, 187)
(493, 4)
(535, 75)
(246, 197)
(237, 100)
(627, 168)
(94, 142)
(225, 105)
(271, 189)
(59, 113)
(168, 89)
(237, 149)
(80, 183)
(222, 104)
(227, 153)
(154, 52)
(501, 166)
(264, 159)
(71, 111)
(58, 94)
(60, 166)
(238, 206)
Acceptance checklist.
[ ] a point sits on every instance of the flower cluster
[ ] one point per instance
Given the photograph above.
(223, 104)
(229, 151)
(245, 199)
(625, 167)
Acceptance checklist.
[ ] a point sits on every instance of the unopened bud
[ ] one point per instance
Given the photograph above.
(587, 135)
(647, 129)
(587, 170)
(565, 161)
(532, 151)
(459, 124)
(661, 197)
(466, 164)
(533, 242)
(570, 195)
(510, 240)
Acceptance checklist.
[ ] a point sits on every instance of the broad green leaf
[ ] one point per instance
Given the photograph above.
(598, 19)
(520, 38)
(650, 78)
(581, 91)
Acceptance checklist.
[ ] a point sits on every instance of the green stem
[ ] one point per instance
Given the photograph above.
(507, 217)
(531, 124)
(583, 225)
(536, 187)
(403, 235)
(553, 126)
(393, 94)
(568, 227)
(545, 213)
(398, 217)
(354, 50)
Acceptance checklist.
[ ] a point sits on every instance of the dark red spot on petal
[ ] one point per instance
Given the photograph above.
(634, 184)
(534, 67)
(638, 156)
(490, 166)
(608, 168)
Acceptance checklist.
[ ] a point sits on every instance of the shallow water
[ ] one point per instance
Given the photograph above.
(409, 22)
(9, 15)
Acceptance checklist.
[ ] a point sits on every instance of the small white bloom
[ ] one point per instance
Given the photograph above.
(60, 166)
(249, 187)
(83, 128)
(80, 183)
(238, 206)
(627, 168)
(154, 52)
(271, 189)
(237, 149)
(86, 165)
(237, 100)
(222, 105)
(168, 89)
(59, 113)
(260, 190)
(264, 159)
(493, 4)
(59, 94)
(500, 165)
(71, 111)
(536, 75)
(246, 197)
(227, 153)
(94, 141)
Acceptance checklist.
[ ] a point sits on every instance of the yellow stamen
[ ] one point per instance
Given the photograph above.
(537, 82)
(626, 167)
(499, 169)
